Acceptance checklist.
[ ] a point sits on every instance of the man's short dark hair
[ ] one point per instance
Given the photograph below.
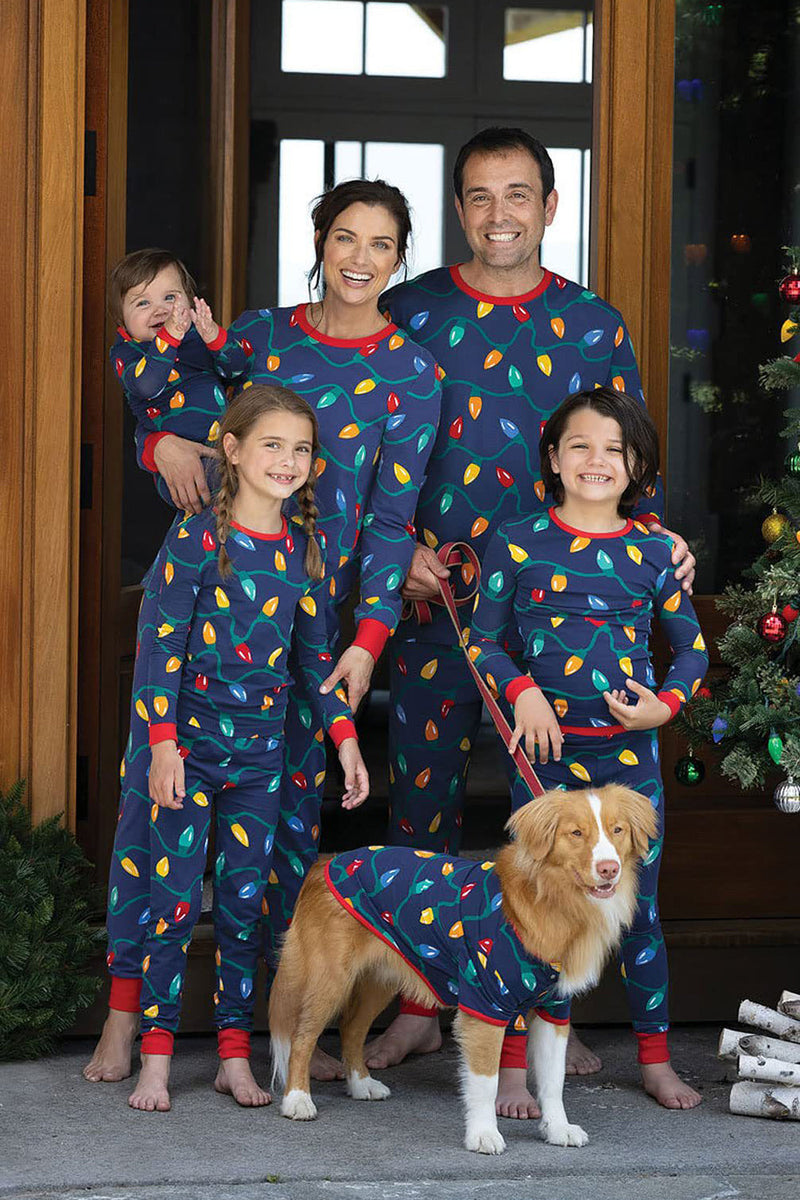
(499, 140)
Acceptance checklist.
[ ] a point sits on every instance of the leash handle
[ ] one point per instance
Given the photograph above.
(446, 557)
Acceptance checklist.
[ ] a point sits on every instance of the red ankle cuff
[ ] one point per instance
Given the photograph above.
(652, 1048)
(409, 1008)
(514, 1052)
(125, 994)
(157, 1041)
(233, 1043)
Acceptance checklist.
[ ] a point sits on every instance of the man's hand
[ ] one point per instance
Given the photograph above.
(682, 557)
(356, 779)
(355, 668)
(535, 721)
(180, 465)
(179, 320)
(204, 322)
(647, 713)
(166, 782)
(425, 570)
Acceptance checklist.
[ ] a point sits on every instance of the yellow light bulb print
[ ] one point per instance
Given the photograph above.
(558, 583)
(674, 602)
(130, 866)
(161, 704)
(484, 308)
(573, 664)
(544, 364)
(366, 385)
(579, 543)
(401, 473)
(634, 553)
(475, 405)
(162, 867)
(628, 758)
(308, 605)
(270, 606)
(471, 474)
(240, 833)
(580, 772)
(209, 634)
(172, 664)
(456, 930)
(430, 668)
(280, 561)
(435, 823)
(222, 598)
(141, 710)
(426, 916)
(491, 360)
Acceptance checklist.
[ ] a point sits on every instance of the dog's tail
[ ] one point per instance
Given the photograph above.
(284, 1009)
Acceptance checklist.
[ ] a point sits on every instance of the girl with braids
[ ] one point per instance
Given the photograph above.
(238, 583)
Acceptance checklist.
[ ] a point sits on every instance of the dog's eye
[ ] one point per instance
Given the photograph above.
(577, 833)
(618, 829)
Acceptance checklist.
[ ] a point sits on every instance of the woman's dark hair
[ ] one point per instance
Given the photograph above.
(639, 441)
(374, 192)
(498, 139)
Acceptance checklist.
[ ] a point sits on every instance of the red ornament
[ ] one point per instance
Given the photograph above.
(406, 826)
(388, 918)
(772, 628)
(299, 780)
(505, 478)
(208, 542)
(354, 865)
(201, 683)
(457, 428)
(485, 945)
(790, 613)
(370, 349)
(181, 910)
(446, 706)
(243, 650)
(153, 412)
(789, 287)
(520, 312)
(467, 888)
(289, 544)
(537, 595)
(704, 692)
(392, 402)
(248, 349)
(401, 665)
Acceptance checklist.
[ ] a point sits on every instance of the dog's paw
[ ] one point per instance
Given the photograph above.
(485, 1141)
(366, 1088)
(298, 1106)
(560, 1133)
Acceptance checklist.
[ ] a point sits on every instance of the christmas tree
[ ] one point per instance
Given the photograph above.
(753, 713)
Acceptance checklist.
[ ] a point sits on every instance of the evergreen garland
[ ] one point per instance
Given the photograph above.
(46, 939)
(753, 714)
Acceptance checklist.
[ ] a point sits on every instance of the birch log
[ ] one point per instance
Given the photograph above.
(769, 1070)
(773, 1100)
(769, 1019)
(733, 1043)
(789, 1005)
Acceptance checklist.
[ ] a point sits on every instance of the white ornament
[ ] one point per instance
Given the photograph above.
(787, 796)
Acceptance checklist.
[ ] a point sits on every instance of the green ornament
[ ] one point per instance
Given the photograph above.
(599, 680)
(791, 465)
(446, 501)
(514, 377)
(186, 838)
(456, 334)
(689, 771)
(775, 748)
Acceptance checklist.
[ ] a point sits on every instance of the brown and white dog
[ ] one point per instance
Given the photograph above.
(568, 880)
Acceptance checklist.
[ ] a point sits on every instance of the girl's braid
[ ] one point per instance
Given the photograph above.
(309, 512)
(224, 505)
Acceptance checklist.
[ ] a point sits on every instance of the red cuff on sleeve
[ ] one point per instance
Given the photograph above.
(340, 731)
(652, 1047)
(546, 1016)
(217, 344)
(523, 683)
(167, 337)
(371, 635)
(150, 443)
(157, 1041)
(163, 733)
(125, 994)
(648, 518)
(671, 700)
(515, 1050)
(233, 1043)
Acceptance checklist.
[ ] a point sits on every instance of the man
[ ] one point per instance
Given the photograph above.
(513, 340)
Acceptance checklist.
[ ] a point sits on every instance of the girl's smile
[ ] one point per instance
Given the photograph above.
(272, 462)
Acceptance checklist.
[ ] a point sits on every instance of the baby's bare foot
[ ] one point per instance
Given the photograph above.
(234, 1078)
(151, 1093)
(661, 1082)
(407, 1034)
(324, 1067)
(513, 1097)
(111, 1060)
(580, 1059)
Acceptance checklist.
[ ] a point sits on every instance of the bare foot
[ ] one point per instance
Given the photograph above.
(407, 1034)
(513, 1097)
(234, 1078)
(661, 1082)
(324, 1067)
(111, 1060)
(151, 1093)
(580, 1059)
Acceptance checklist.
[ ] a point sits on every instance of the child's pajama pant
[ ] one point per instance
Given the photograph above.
(238, 779)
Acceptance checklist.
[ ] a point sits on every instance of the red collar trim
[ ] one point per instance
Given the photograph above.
(123, 333)
(350, 343)
(463, 286)
(626, 528)
(262, 537)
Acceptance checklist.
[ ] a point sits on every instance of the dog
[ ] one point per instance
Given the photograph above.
(554, 906)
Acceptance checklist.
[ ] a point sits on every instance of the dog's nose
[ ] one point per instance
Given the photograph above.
(608, 868)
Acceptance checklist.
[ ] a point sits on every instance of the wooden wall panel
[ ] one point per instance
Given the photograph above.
(42, 146)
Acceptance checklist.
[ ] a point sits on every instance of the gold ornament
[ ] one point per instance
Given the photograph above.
(774, 525)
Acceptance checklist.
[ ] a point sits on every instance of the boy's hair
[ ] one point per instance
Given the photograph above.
(241, 416)
(141, 267)
(639, 441)
(374, 192)
(499, 139)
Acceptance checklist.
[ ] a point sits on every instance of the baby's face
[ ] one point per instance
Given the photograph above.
(146, 307)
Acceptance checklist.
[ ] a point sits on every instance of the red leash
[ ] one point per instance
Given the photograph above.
(454, 554)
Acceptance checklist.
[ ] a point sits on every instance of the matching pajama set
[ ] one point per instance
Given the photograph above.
(171, 386)
(218, 678)
(377, 403)
(582, 604)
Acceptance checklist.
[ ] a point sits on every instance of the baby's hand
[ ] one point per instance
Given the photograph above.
(179, 320)
(647, 713)
(204, 322)
(356, 779)
(166, 781)
(535, 721)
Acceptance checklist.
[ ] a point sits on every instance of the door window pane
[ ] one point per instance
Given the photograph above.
(548, 44)
(418, 170)
(302, 178)
(405, 39)
(322, 36)
(565, 248)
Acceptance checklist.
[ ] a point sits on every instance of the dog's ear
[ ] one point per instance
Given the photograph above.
(534, 825)
(642, 818)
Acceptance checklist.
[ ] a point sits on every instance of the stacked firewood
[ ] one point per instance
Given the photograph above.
(767, 1062)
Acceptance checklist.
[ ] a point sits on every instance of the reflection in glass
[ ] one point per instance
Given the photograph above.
(405, 39)
(548, 45)
(322, 36)
(565, 248)
(302, 178)
(735, 203)
(418, 170)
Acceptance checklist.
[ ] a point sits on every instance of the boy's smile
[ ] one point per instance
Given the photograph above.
(147, 306)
